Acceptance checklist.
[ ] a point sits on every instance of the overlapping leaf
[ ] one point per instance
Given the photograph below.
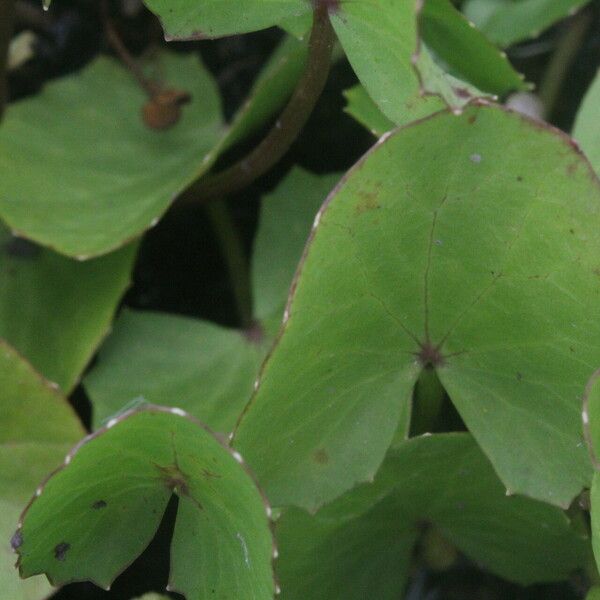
(56, 311)
(98, 513)
(417, 260)
(206, 369)
(122, 175)
(506, 22)
(37, 427)
(587, 125)
(361, 545)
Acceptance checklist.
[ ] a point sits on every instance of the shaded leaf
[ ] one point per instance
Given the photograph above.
(93, 517)
(587, 125)
(506, 22)
(361, 107)
(201, 367)
(188, 19)
(206, 369)
(417, 261)
(121, 175)
(362, 544)
(56, 311)
(37, 427)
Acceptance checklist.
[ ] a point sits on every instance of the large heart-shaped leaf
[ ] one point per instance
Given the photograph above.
(587, 125)
(206, 369)
(37, 427)
(121, 175)
(361, 545)
(94, 516)
(192, 20)
(506, 22)
(56, 311)
(466, 244)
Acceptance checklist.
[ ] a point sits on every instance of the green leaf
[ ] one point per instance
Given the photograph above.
(153, 597)
(466, 51)
(587, 125)
(417, 261)
(121, 175)
(201, 367)
(380, 38)
(94, 516)
(506, 22)
(37, 427)
(594, 593)
(361, 107)
(361, 545)
(192, 20)
(56, 311)
(277, 249)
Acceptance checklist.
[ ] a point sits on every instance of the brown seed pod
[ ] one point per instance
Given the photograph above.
(163, 110)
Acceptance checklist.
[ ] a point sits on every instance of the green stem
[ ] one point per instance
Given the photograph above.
(562, 59)
(287, 127)
(7, 15)
(235, 259)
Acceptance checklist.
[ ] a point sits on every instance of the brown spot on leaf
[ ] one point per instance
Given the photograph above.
(572, 168)
(519, 376)
(321, 457)
(368, 201)
(99, 504)
(60, 550)
(472, 119)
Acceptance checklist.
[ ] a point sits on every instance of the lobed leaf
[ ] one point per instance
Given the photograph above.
(416, 261)
(121, 175)
(362, 544)
(94, 516)
(37, 427)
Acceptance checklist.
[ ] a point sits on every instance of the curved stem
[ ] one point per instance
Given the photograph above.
(286, 129)
(7, 13)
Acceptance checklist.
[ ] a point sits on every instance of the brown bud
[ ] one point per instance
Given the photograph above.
(163, 110)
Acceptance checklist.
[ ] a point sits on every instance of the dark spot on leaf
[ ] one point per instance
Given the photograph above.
(20, 248)
(321, 456)
(430, 356)
(596, 271)
(99, 504)
(519, 376)
(519, 178)
(572, 168)
(60, 550)
(462, 92)
(572, 231)
(17, 540)
(472, 119)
